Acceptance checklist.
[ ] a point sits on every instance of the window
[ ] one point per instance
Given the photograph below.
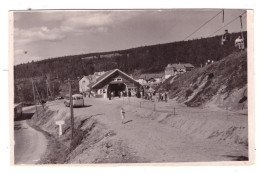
(102, 91)
(116, 79)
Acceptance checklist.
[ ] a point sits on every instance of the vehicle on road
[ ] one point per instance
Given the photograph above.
(77, 100)
(59, 98)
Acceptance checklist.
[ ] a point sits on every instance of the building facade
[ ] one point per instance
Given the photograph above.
(86, 80)
(115, 82)
(175, 69)
(151, 79)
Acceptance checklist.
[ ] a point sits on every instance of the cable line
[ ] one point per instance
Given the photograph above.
(203, 25)
(227, 24)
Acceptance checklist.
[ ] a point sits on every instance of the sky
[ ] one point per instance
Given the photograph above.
(40, 35)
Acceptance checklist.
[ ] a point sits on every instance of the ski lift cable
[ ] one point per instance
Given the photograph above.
(203, 25)
(227, 24)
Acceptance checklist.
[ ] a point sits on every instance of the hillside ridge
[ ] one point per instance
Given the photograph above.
(222, 83)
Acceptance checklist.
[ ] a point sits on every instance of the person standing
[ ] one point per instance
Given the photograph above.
(122, 111)
(226, 37)
(109, 95)
(165, 96)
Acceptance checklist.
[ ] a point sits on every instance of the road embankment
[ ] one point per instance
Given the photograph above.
(192, 134)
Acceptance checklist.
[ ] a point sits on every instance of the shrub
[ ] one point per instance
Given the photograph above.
(188, 93)
(175, 88)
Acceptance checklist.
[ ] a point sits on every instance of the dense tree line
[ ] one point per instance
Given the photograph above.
(147, 59)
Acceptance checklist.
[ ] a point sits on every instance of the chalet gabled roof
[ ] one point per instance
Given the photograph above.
(107, 74)
(88, 77)
(188, 65)
(149, 76)
(179, 66)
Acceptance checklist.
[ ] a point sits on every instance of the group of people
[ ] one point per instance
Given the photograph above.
(148, 95)
(120, 94)
(239, 42)
(163, 96)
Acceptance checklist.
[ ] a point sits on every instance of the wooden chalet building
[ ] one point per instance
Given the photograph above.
(115, 81)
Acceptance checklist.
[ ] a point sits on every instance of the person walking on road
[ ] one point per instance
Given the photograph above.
(122, 114)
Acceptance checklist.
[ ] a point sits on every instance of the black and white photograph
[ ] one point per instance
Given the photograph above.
(139, 86)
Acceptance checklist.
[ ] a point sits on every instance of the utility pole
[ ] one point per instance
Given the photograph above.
(49, 93)
(71, 114)
(34, 97)
(53, 90)
(47, 90)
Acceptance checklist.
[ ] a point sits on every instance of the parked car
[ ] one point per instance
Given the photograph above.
(59, 98)
(77, 100)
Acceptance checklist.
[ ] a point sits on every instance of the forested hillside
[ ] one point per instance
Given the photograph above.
(155, 57)
(147, 59)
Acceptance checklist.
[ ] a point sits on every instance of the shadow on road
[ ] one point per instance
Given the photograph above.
(127, 121)
(24, 116)
(85, 106)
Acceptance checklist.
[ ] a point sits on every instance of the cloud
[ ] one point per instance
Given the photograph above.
(94, 21)
(33, 29)
(70, 23)
(37, 34)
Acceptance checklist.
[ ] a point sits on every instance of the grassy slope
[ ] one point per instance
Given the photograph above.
(196, 88)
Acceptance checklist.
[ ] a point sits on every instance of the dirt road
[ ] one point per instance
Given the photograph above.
(29, 144)
(156, 138)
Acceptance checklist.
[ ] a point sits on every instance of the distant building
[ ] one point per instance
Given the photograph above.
(175, 69)
(98, 74)
(18, 110)
(114, 81)
(151, 79)
(188, 66)
(83, 84)
(86, 80)
(108, 55)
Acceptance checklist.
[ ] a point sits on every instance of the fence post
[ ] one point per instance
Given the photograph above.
(140, 105)
(154, 107)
